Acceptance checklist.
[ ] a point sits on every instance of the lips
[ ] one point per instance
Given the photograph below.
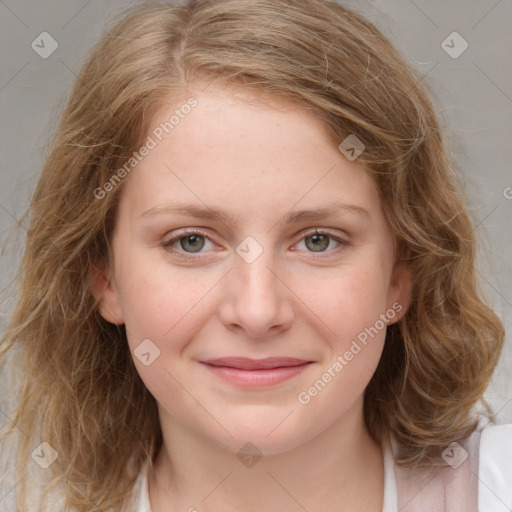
(244, 372)
(244, 363)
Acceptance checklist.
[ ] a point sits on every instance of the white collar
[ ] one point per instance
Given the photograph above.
(390, 503)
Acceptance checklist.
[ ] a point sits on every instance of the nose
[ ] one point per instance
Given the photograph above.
(257, 302)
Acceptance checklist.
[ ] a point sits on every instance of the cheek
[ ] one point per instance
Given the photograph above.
(156, 297)
(162, 310)
(346, 301)
(354, 308)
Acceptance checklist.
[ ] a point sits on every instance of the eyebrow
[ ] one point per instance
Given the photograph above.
(293, 217)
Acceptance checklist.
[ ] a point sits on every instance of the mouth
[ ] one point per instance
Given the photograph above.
(246, 372)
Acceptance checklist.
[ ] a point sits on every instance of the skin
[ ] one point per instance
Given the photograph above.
(256, 159)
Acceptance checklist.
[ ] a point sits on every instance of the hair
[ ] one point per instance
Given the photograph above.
(81, 392)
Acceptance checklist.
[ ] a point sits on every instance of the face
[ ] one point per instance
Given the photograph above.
(280, 250)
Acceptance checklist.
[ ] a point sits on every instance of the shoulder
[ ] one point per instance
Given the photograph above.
(477, 477)
(495, 469)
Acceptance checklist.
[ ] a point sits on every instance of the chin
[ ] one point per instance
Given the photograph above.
(258, 441)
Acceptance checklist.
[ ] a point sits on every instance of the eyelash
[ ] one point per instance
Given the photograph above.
(187, 256)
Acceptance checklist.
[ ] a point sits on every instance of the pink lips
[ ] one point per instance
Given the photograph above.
(247, 372)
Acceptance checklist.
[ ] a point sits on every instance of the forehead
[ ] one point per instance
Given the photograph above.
(236, 148)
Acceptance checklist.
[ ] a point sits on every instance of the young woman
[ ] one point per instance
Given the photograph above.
(249, 280)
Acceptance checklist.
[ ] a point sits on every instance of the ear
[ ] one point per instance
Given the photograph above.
(105, 292)
(400, 291)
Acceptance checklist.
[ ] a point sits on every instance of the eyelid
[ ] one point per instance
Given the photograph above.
(321, 231)
(183, 234)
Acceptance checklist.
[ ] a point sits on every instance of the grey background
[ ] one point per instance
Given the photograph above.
(474, 93)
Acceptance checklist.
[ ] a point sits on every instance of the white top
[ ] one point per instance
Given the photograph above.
(479, 478)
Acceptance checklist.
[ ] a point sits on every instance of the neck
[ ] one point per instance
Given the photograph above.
(339, 470)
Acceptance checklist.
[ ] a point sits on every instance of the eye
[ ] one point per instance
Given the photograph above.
(319, 241)
(189, 242)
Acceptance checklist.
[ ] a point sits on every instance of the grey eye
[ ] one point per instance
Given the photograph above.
(319, 242)
(194, 242)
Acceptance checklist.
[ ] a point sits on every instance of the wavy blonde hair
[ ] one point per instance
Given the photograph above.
(82, 393)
